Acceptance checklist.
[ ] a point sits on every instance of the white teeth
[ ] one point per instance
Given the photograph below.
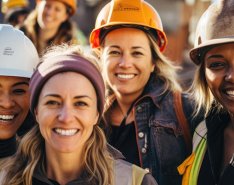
(126, 76)
(6, 117)
(63, 132)
(230, 93)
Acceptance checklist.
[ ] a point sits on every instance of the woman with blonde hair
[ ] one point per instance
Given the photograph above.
(148, 119)
(67, 146)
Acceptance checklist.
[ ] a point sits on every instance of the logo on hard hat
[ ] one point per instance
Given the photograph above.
(8, 51)
(126, 7)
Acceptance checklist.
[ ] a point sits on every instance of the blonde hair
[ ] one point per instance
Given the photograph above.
(201, 93)
(98, 162)
(164, 68)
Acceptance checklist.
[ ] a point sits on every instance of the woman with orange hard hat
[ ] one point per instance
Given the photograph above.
(50, 24)
(147, 117)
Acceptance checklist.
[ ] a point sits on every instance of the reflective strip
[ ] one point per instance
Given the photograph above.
(191, 166)
(199, 155)
(200, 132)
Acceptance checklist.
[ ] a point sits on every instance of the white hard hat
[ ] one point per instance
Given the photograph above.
(18, 55)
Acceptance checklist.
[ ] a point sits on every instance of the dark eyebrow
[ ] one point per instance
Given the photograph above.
(76, 97)
(83, 96)
(215, 56)
(134, 47)
(53, 95)
(114, 46)
(21, 83)
(137, 47)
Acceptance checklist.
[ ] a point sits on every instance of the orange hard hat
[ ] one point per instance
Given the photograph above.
(9, 4)
(135, 13)
(70, 3)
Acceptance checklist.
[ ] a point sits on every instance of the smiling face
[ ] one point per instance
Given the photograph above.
(127, 61)
(51, 14)
(67, 113)
(219, 73)
(14, 104)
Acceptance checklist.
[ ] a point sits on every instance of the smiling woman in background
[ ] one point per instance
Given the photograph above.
(50, 24)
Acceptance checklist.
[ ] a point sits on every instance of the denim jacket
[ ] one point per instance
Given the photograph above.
(159, 137)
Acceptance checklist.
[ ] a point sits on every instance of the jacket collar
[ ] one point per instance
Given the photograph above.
(116, 154)
(155, 89)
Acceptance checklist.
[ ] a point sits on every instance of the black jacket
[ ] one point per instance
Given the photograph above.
(210, 172)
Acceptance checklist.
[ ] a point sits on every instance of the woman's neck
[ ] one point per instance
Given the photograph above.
(126, 101)
(8, 147)
(63, 167)
(122, 110)
(46, 34)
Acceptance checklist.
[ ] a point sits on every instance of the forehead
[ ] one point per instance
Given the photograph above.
(127, 36)
(54, 2)
(12, 79)
(69, 83)
(222, 50)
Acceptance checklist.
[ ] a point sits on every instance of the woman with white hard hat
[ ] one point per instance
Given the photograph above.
(18, 58)
(212, 160)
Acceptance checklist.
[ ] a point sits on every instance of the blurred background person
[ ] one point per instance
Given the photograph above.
(50, 24)
(15, 11)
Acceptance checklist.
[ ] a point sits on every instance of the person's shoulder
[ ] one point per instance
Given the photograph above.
(141, 176)
(127, 173)
(149, 180)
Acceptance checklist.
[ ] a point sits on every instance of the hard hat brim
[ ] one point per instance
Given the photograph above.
(15, 73)
(95, 33)
(195, 53)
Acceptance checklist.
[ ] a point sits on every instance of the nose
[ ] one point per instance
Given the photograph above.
(6, 101)
(230, 74)
(125, 61)
(48, 10)
(65, 114)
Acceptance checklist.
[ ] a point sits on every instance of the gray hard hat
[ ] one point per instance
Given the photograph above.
(216, 26)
